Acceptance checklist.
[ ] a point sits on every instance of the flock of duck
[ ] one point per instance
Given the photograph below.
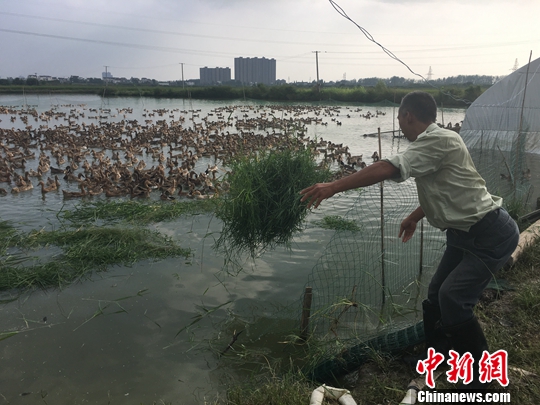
(175, 153)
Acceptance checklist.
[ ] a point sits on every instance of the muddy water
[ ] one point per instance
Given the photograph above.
(113, 338)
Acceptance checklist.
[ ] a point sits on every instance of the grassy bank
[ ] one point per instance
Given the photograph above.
(380, 93)
(510, 320)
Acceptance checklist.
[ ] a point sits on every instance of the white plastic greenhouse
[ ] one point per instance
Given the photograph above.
(502, 131)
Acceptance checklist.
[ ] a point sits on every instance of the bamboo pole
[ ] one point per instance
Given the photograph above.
(442, 113)
(381, 188)
(394, 115)
(306, 313)
(421, 248)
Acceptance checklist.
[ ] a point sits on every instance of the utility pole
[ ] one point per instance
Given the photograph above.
(106, 74)
(182, 74)
(317, 65)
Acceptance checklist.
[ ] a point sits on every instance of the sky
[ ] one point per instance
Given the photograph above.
(161, 39)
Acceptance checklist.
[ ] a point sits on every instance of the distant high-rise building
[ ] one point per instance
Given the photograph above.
(106, 75)
(255, 70)
(216, 75)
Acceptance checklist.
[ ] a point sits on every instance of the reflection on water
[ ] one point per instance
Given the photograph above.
(114, 338)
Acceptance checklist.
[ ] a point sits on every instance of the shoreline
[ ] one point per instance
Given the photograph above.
(387, 96)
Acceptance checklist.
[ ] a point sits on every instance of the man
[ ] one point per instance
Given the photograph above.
(480, 235)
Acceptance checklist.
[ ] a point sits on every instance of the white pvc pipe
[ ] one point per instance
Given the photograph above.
(347, 399)
(414, 386)
(410, 397)
(317, 396)
(342, 395)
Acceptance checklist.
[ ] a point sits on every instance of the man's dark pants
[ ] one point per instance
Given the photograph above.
(468, 264)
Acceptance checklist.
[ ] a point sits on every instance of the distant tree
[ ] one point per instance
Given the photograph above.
(381, 86)
(397, 81)
(466, 80)
(284, 92)
(370, 81)
(472, 92)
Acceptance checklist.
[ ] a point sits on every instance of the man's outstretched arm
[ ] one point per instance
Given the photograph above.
(372, 174)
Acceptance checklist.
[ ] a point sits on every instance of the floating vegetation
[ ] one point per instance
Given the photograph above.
(102, 246)
(338, 223)
(86, 249)
(263, 208)
(52, 274)
(9, 237)
(136, 211)
(8, 234)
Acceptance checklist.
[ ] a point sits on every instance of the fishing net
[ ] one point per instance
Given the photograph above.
(368, 285)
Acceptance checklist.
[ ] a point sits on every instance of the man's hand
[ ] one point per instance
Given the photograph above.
(316, 193)
(407, 228)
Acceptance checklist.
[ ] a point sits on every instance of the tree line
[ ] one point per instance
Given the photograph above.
(365, 91)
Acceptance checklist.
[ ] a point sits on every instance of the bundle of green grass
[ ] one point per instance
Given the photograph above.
(263, 208)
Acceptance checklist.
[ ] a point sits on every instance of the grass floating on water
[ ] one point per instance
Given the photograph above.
(338, 223)
(84, 250)
(102, 246)
(7, 231)
(136, 211)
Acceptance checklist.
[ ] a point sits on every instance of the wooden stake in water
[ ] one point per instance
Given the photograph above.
(306, 313)
(421, 248)
(442, 114)
(381, 188)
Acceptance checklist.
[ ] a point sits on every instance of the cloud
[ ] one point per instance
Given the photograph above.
(150, 38)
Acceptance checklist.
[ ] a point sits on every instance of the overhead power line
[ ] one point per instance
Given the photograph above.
(390, 53)
(174, 33)
(244, 39)
(123, 44)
